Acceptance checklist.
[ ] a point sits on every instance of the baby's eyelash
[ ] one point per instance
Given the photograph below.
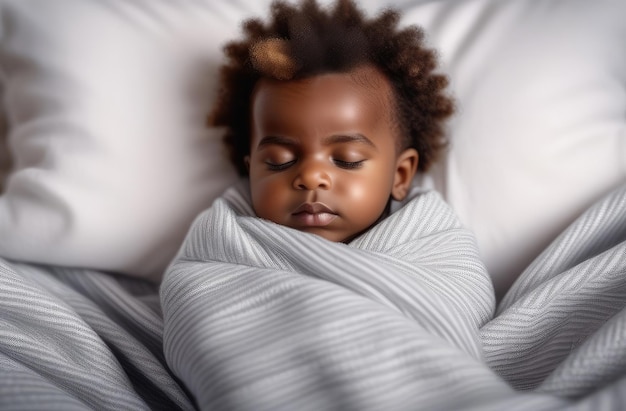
(279, 167)
(349, 164)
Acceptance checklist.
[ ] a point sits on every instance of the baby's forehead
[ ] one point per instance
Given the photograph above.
(366, 82)
(358, 101)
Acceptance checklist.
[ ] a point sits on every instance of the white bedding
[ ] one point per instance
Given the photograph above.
(105, 159)
(80, 339)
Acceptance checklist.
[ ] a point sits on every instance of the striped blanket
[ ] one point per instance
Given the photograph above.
(255, 316)
(295, 319)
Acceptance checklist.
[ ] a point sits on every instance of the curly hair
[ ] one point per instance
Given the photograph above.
(305, 40)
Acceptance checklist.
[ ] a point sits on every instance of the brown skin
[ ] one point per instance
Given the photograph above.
(324, 155)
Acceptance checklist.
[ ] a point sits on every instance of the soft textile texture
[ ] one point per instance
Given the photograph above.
(540, 132)
(106, 105)
(81, 339)
(5, 156)
(77, 340)
(259, 316)
(269, 295)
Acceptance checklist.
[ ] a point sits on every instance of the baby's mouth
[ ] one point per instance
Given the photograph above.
(314, 215)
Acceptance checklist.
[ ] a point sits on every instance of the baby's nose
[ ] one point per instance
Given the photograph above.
(312, 175)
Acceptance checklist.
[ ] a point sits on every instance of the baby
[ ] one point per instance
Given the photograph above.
(330, 115)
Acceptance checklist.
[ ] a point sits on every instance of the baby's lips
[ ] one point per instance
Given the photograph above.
(314, 208)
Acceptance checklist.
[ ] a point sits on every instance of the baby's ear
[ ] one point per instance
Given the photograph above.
(246, 161)
(406, 167)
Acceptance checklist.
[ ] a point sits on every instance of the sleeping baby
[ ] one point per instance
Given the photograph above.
(328, 115)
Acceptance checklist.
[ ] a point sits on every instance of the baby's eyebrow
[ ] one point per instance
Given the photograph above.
(276, 140)
(348, 138)
(334, 139)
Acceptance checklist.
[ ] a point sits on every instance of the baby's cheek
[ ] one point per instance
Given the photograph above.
(266, 198)
(357, 191)
(369, 192)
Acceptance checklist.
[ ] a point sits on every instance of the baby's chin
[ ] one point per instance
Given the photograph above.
(332, 235)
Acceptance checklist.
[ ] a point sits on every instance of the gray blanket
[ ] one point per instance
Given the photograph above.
(400, 319)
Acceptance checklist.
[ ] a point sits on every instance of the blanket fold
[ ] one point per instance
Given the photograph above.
(568, 294)
(80, 339)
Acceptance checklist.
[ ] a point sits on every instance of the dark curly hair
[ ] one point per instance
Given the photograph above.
(306, 40)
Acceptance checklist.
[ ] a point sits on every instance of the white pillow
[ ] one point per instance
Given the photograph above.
(5, 156)
(541, 128)
(106, 103)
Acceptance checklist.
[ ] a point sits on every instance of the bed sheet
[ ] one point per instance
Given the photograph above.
(83, 339)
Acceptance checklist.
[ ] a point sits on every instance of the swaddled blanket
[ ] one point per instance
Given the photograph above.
(270, 309)
(258, 316)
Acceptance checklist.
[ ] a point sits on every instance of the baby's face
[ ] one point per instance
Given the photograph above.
(323, 156)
